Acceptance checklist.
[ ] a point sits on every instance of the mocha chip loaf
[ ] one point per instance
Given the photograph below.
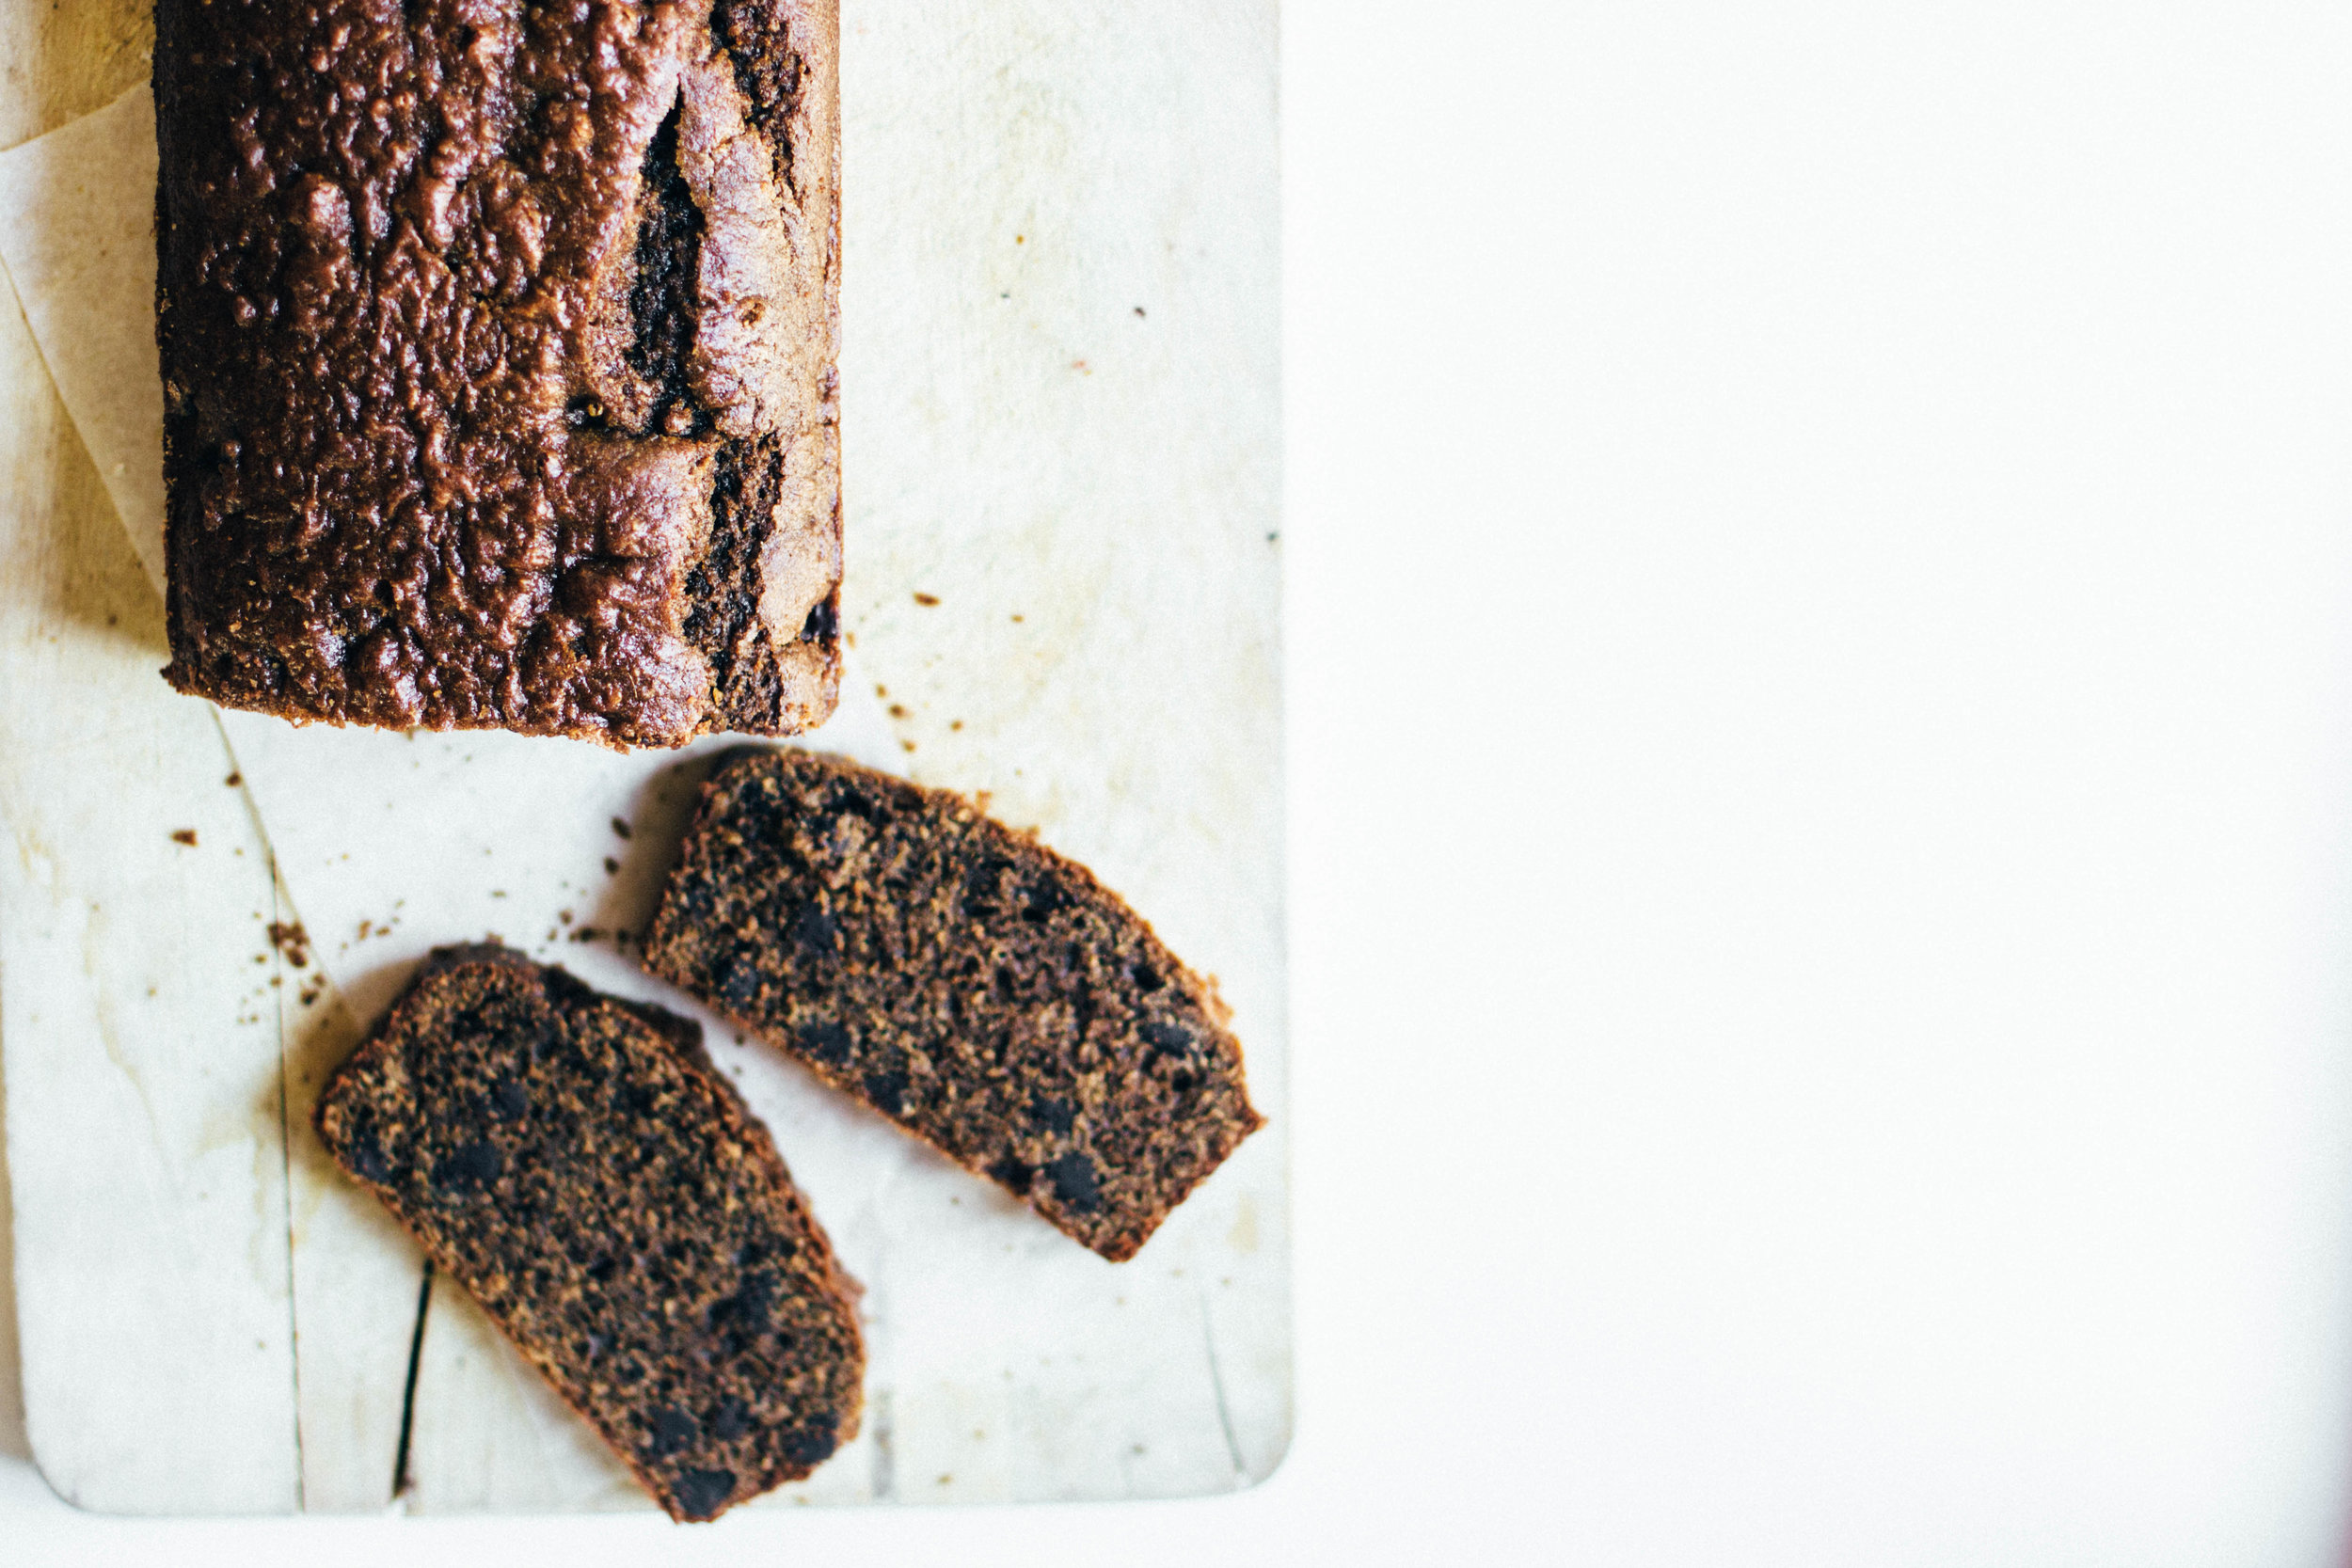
(982, 992)
(575, 1162)
(499, 349)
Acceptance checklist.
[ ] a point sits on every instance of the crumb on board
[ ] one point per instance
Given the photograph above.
(184, 836)
(927, 600)
(611, 866)
(621, 828)
(289, 938)
(234, 780)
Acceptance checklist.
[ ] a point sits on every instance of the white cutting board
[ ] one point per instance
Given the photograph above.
(1061, 431)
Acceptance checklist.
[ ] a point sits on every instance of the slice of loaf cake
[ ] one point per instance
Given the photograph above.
(577, 1163)
(981, 990)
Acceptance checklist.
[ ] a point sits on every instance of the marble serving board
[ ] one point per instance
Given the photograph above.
(1060, 438)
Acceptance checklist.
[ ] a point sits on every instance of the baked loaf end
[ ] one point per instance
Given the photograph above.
(499, 348)
(984, 993)
(577, 1164)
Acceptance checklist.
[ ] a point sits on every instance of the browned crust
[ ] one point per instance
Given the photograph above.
(466, 375)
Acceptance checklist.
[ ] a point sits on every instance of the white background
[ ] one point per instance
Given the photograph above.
(1819, 554)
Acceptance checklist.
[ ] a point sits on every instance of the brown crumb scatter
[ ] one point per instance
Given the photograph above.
(907, 744)
(897, 710)
(292, 940)
(611, 866)
(234, 780)
(621, 828)
(563, 915)
(184, 836)
(927, 600)
(956, 724)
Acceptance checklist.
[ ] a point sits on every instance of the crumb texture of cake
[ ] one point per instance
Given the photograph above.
(499, 347)
(981, 990)
(576, 1162)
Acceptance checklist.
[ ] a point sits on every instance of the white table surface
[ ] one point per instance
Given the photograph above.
(1820, 637)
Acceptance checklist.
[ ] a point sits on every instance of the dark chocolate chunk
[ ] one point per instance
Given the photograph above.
(824, 1041)
(811, 1444)
(813, 931)
(467, 1168)
(1074, 1181)
(887, 1090)
(730, 1419)
(701, 1493)
(366, 1158)
(510, 1097)
(1167, 1039)
(672, 1430)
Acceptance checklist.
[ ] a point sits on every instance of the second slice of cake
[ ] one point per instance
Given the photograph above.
(979, 990)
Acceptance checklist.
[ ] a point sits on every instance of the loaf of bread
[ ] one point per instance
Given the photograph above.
(499, 347)
(981, 990)
(575, 1162)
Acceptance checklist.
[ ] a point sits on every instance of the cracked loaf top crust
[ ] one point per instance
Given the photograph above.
(981, 990)
(580, 1168)
(499, 346)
